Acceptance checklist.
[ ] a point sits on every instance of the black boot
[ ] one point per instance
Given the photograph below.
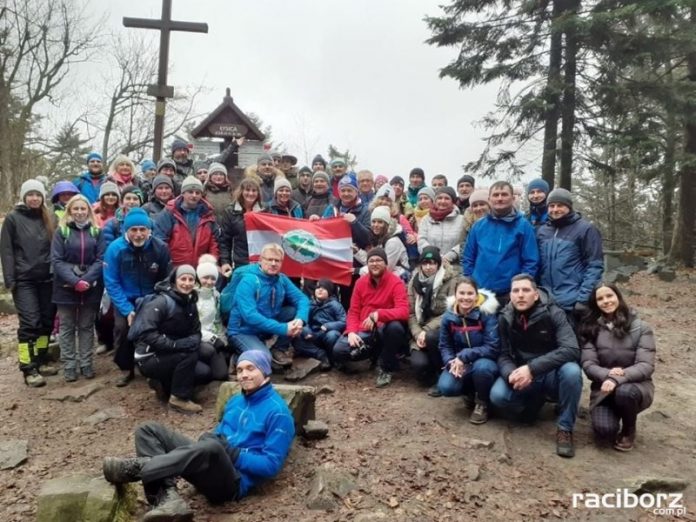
(119, 471)
(170, 507)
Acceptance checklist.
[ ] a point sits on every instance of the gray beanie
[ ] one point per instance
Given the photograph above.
(217, 168)
(109, 187)
(562, 196)
(162, 179)
(32, 185)
(191, 183)
(428, 191)
(320, 174)
(185, 269)
(280, 183)
(264, 157)
(166, 161)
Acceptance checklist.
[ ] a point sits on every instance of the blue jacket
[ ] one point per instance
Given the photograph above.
(84, 183)
(572, 260)
(131, 272)
(499, 248)
(470, 337)
(77, 254)
(258, 300)
(113, 228)
(294, 210)
(261, 426)
(360, 228)
(329, 313)
(538, 215)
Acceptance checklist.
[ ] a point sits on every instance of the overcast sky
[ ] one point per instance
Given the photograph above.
(353, 73)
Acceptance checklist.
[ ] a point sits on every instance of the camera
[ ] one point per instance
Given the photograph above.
(359, 350)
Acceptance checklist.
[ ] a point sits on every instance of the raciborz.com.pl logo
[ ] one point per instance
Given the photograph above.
(659, 503)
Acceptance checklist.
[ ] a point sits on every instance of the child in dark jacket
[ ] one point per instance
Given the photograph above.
(327, 320)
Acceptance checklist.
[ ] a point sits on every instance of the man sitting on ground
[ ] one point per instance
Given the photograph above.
(248, 446)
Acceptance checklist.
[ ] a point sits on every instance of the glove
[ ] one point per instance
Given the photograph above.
(81, 286)
(187, 344)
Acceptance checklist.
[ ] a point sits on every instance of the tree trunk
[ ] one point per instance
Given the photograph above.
(552, 99)
(669, 183)
(569, 99)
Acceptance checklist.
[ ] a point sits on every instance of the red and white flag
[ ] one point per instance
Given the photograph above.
(313, 249)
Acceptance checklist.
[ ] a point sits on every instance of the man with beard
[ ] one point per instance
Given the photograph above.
(184, 165)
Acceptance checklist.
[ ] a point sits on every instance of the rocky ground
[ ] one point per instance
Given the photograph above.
(407, 456)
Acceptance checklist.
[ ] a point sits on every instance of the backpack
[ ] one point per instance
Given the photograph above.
(136, 329)
(65, 231)
(227, 296)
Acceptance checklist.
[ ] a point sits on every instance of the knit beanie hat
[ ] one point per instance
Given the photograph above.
(337, 161)
(94, 155)
(381, 178)
(32, 185)
(466, 178)
(217, 168)
(397, 179)
(161, 179)
(348, 180)
(447, 190)
(327, 285)
(319, 159)
(280, 183)
(259, 358)
(109, 187)
(562, 196)
(478, 195)
(207, 269)
(178, 145)
(381, 213)
(276, 155)
(539, 184)
(164, 162)
(147, 164)
(417, 171)
(132, 189)
(199, 165)
(379, 252)
(430, 253)
(264, 157)
(321, 174)
(386, 191)
(137, 217)
(184, 270)
(191, 183)
(428, 191)
(304, 170)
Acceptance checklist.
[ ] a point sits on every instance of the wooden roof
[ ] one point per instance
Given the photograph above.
(227, 120)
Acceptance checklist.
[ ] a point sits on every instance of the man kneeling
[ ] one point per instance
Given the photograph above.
(250, 444)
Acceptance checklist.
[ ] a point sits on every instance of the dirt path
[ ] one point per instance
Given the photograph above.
(408, 453)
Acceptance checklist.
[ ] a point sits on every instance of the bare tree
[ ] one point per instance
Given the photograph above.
(38, 42)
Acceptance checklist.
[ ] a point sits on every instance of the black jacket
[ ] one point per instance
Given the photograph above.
(25, 247)
(541, 338)
(168, 322)
(234, 249)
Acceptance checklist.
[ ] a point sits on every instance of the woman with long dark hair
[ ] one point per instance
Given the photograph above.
(618, 355)
(25, 250)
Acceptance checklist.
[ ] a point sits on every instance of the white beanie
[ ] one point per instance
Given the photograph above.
(382, 213)
(191, 183)
(207, 269)
(32, 185)
(386, 190)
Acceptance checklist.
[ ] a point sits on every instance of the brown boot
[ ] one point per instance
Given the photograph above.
(626, 439)
(183, 405)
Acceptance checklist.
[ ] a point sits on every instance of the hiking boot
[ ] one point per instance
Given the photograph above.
(48, 370)
(480, 413)
(469, 401)
(383, 378)
(125, 379)
(119, 471)
(564, 444)
(70, 375)
(183, 405)
(281, 358)
(157, 387)
(434, 391)
(170, 507)
(324, 365)
(625, 440)
(88, 372)
(34, 379)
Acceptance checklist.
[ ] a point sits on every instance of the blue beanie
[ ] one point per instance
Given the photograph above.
(94, 155)
(147, 164)
(538, 184)
(178, 145)
(259, 358)
(137, 217)
(348, 180)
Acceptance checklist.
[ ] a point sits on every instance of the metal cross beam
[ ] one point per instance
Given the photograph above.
(161, 90)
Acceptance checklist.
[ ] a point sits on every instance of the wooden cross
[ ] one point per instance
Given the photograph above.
(161, 90)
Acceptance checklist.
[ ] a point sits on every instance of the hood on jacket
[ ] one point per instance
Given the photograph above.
(486, 302)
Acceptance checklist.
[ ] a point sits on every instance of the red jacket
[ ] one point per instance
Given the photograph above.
(389, 299)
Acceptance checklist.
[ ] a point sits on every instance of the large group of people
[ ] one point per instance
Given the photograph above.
(503, 308)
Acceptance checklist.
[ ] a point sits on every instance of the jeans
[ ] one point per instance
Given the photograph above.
(384, 345)
(563, 384)
(479, 379)
(320, 346)
(80, 318)
(243, 342)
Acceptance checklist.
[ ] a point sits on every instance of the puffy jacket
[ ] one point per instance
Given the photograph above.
(472, 336)
(388, 298)
(154, 207)
(77, 251)
(168, 323)
(443, 286)
(102, 215)
(360, 228)
(572, 260)
(113, 228)
(187, 246)
(88, 187)
(25, 247)
(130, 272)
(397, 258)
(209, 314)
(541, 338)
(294, 209)
(499, 248)
(234, 249)
(447, 235)
(328, 313)
(261, 426)
(257, 302)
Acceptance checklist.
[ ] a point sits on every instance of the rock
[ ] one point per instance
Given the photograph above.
(13, 453)
(82, 497)
(315, 430)
(472, 443)
(658, 415)
(300, 399)
(641, 485)
(7, 304)
(70, 394)
(328, 485)
(325, 389)
(504, 458)
(368, 517)
(667, 275)
(104, 415)
(301, 368)
(473, 472)
(616, 277)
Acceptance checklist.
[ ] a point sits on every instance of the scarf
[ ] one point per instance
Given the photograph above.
(423, 286)
(440, 215)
